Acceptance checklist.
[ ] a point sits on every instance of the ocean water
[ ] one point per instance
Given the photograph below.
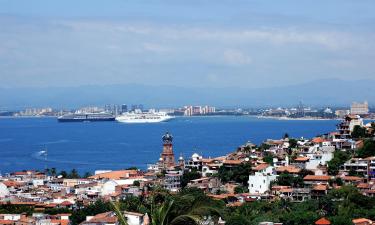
(112, 145)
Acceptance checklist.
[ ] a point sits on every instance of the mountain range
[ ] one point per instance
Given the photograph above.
(329, 92)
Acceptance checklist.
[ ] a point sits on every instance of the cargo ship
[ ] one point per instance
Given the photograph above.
(86, 117)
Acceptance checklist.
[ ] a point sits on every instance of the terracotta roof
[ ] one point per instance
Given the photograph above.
(232, 162)
(261, 166)
(318, 140)
(234, 204)
(115, 175)
(363, 185)
(351, 178)
(289, 169)
(20, 173)
(323, 221)
(103, 217)
(278, 187)
(302, 159)
(6, 222)
(361, 220)
(316, 178)
(207, 160)
(286, 190)
(11, 183)
(320, 187)
(66, 203)
(221, 196)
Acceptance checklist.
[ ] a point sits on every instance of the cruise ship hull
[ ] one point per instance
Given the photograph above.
(139, 118)
(86, 120)
(142, 120)
(92, 117)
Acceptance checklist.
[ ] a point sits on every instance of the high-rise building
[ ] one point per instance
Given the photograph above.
(167, 155)
(359, 108)
(188, 110)
(124, 108)
(197, 110)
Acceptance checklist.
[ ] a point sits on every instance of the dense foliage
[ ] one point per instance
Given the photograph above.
(367, 150)
(188, 176)
(339, 158)
(239, 174)
(359, 132)
(340, 206)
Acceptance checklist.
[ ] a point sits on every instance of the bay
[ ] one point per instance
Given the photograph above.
(112, 145)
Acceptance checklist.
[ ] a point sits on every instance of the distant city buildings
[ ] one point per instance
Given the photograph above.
(198, 110)
(359, 108)
(36, 112)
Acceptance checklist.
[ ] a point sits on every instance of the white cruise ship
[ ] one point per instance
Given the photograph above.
(143, 117)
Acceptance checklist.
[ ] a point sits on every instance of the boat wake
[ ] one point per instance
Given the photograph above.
(55, 142)
(41, 156)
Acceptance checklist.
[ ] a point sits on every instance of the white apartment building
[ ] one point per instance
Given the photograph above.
(359, 108)
(259, 183)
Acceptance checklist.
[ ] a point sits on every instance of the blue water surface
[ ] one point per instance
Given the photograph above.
(113, 145)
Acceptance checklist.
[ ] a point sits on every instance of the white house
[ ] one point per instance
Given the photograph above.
(134, 218)
(261, 180)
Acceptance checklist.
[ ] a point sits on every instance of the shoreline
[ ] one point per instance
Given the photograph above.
(288, 118)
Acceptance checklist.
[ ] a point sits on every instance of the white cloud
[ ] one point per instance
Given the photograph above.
(157, 48)
(236, 57)
(332, 40)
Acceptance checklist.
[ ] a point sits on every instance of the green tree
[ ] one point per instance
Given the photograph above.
(188, 176)
(367, 150)
(358, 132)
(287, 179)
(73, 174)
(240, 189)
(64, 174)
(239, 174)
(237, 220)
(136, 183)
(87, 175)
(186, 208)
(292, 143)
(338, 159)
(79, 215)
(268, 158)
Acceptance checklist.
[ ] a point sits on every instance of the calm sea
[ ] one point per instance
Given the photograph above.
(112, 145)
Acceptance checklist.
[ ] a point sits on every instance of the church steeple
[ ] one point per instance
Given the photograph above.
(167, 156)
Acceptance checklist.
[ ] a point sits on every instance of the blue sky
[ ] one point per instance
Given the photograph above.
(185, 43)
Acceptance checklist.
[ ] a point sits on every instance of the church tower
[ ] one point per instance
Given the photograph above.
(167, 156)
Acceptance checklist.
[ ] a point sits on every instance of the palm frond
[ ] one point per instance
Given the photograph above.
(185, 219)
(120, 216)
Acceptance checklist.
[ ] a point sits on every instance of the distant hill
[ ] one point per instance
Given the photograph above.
(319, 93)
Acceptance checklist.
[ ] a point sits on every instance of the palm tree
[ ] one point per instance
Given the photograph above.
(162, 215)
(188, 211)
(120, 216)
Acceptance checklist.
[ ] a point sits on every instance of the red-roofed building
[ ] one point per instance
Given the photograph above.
(323, 221)
(362, 221)
(316, 179)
